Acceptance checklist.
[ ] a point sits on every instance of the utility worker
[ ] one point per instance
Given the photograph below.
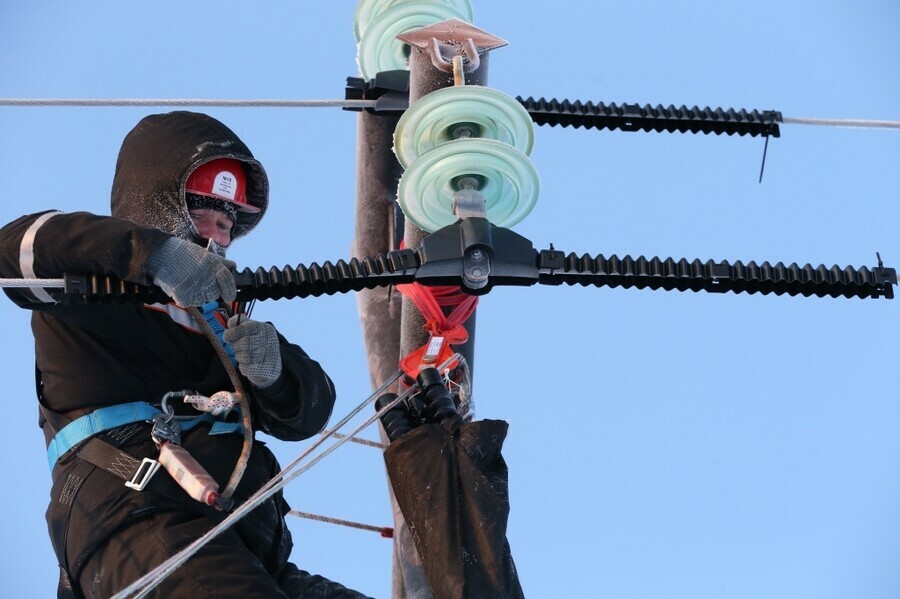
(185, 188)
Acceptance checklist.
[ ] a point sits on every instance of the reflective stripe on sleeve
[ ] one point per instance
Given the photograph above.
(26, 257)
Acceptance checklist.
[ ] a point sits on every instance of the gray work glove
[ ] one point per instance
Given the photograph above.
(256, 350)
(190, 274)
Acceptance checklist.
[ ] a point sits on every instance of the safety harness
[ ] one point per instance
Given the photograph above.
(101, 420)
(97, 438)
(81, 435)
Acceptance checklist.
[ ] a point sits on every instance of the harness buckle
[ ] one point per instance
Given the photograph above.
(143, 474)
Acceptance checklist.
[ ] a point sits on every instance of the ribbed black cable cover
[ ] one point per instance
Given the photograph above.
(328, 279)
(107, 289)
(392, 87)
(669, 274)
(633, 117)
(261, 284)
(554, 267)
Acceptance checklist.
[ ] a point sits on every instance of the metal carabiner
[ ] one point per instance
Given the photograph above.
(165, 426)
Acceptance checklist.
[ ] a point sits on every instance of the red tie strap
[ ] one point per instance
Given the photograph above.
(444, 329)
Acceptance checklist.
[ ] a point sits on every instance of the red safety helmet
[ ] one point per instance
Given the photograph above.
(223, 179)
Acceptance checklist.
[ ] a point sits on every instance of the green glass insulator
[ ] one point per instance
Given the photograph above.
(368, 10)
(510, 183)
(380, 50)
(458, 112)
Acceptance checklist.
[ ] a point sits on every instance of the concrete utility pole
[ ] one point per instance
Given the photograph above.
(379, 229)
(392, 325)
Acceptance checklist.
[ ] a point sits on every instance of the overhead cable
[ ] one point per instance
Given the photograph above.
(352, 103)
(869, 124)
(29, 283)
(72, 102)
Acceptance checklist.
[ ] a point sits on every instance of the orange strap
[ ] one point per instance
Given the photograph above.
(444, 329)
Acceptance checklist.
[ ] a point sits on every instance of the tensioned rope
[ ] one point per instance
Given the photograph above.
(385, 531)
(72, 102)
(152, 579)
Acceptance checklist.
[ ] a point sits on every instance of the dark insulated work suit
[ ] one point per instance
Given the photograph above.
(88, 357)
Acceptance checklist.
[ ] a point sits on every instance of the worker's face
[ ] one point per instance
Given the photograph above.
(212, 224)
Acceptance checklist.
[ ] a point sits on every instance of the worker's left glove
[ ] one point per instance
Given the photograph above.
(191, 275)
(256, 349)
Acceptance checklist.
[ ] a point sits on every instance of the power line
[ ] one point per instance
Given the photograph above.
(871, 124)
(32, 283)
(262, 103)
(74, 102)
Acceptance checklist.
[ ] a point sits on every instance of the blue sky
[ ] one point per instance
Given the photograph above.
(661, 444)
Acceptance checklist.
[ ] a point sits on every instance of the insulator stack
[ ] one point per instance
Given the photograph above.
(633, 117)
(377, 23)
(469, 133)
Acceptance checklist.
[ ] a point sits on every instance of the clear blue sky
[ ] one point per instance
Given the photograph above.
(661, 444)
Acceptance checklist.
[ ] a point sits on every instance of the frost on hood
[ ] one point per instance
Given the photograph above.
(155, 160)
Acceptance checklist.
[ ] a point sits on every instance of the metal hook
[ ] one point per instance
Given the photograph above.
(168, 410)
(469, 49)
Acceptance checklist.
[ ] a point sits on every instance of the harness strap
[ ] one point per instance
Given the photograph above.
(96, 422)
(110, 417)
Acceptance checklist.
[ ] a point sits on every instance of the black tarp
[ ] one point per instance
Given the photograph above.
(452, 485)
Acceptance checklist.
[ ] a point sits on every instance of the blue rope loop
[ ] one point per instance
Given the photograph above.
(210, 311)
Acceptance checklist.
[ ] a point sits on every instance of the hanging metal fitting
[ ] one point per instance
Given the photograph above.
(467, 200)
(453, 37)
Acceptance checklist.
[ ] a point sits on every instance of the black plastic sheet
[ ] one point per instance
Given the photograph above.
(451, 483)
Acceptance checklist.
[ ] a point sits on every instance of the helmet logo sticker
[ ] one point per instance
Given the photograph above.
(225, 185)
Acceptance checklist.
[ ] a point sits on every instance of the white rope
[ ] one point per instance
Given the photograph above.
(152, 579)
(31, 283)
(842, 123)
(187, 102)
(361, 441)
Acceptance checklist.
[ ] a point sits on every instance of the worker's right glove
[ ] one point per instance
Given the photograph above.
(190, 274)
(256, 349)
